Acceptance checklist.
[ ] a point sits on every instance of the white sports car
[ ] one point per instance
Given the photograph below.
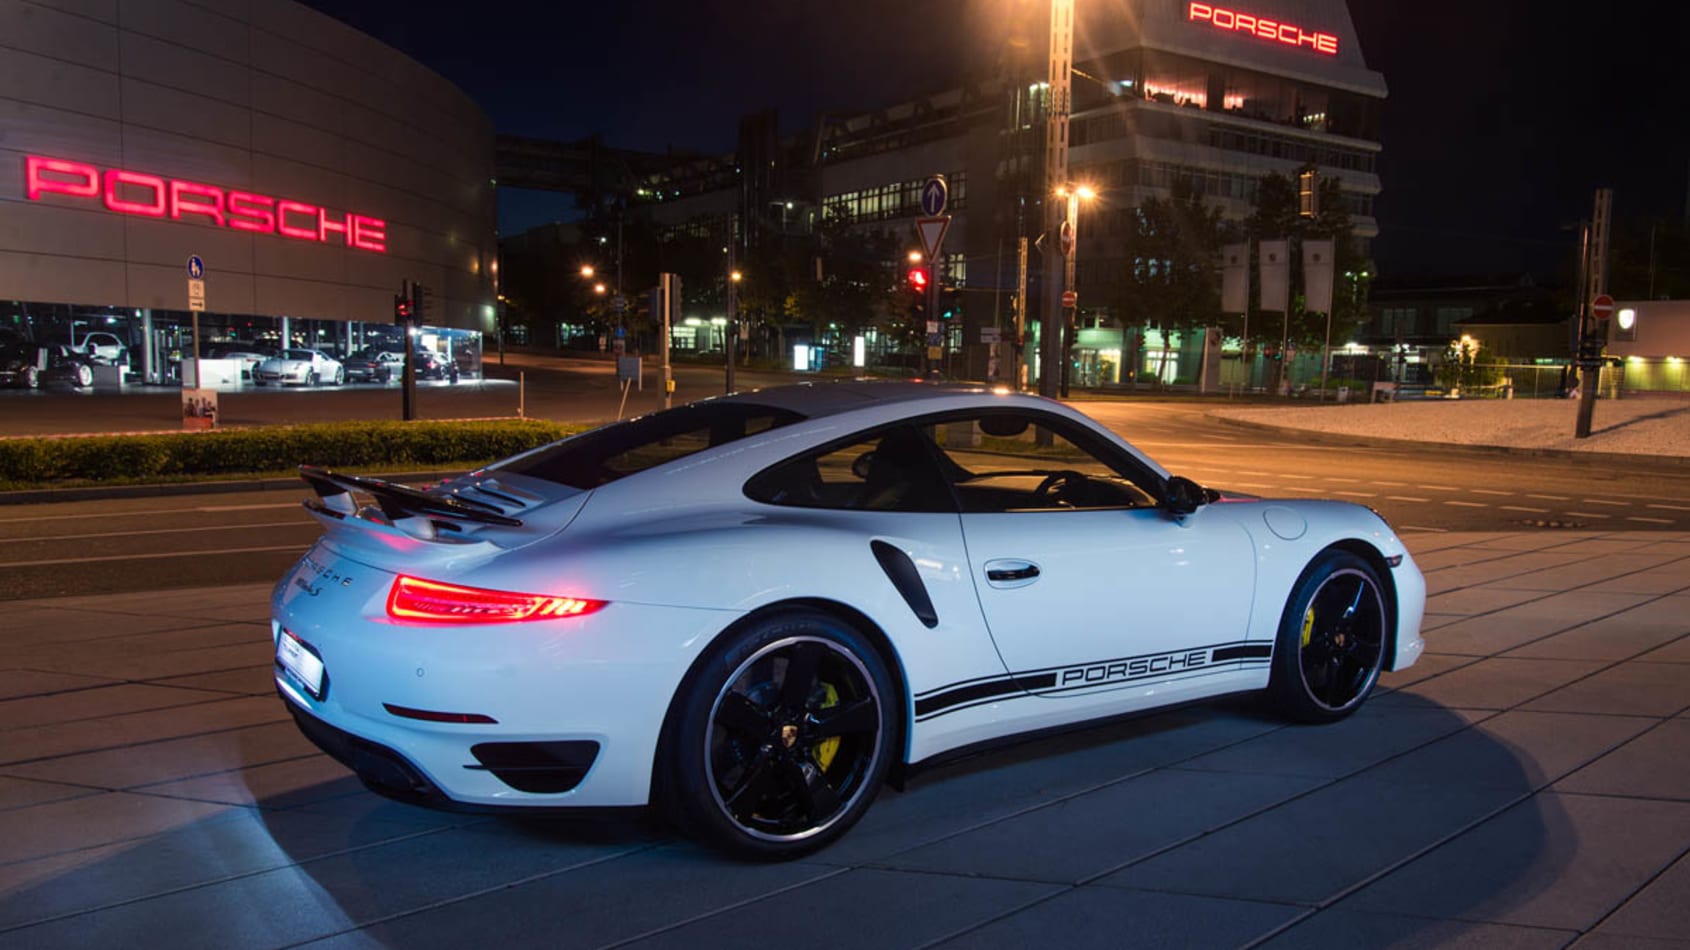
(755, 609)
(304, 367)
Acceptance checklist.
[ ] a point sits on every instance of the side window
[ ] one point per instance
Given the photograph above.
(890, 471)
(1016, 461)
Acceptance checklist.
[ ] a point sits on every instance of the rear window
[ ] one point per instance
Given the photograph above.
(616, 451)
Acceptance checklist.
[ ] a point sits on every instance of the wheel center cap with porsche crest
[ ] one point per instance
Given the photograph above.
(788, 735)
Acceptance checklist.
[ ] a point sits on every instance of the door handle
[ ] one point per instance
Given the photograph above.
(1013, 574)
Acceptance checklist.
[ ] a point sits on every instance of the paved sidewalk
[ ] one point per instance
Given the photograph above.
(1527, 785)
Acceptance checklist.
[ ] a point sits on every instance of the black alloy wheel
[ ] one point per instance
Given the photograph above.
(783, 737)
(1332, 638)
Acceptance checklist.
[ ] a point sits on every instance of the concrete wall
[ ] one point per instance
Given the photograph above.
(266, 96)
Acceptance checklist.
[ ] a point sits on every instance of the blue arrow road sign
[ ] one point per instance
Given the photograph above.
(933, 195)
(196, 267)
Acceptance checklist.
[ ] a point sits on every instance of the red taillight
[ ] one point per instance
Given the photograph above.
(417, 600)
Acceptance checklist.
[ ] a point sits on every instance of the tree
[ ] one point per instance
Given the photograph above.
(1172, 247)
(1275, 217)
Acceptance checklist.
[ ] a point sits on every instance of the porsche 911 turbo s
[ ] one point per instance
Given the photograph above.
(750, 611)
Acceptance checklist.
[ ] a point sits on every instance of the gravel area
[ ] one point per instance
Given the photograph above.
(1627, 426)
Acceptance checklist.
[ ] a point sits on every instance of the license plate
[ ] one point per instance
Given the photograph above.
(300, 664)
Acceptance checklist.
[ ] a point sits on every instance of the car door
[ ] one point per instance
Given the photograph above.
(1087, 583)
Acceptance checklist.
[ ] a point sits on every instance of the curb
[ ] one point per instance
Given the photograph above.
(103, 492)
(1610, 458)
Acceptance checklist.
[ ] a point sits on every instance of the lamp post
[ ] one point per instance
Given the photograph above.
(1057, 107)
(731, 332)
(1070, 254)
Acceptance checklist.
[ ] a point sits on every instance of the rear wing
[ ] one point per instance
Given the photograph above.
(397, 502)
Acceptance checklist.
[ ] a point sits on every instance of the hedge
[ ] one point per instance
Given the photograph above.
(390, 446)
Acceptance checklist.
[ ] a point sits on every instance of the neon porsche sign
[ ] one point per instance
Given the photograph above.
(1261, 27)
(154, 196)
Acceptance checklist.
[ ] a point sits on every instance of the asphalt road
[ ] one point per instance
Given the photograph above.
(231, 537)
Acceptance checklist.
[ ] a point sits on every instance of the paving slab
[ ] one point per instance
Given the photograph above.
(230, 844)
(149, 763)
(1108, 918)
(1659, 911)
(60, 740)
(1333, 750)
(1431, 664)
(1629, 689)
(18, 682)
(1313, 848)
(134, 665)
(908, 910)
(1495, 683)
(1533, 620)
(1121, 822)
(1336, 929)
(1514, 751)
(1655, 764)
(974, 792)
(605, 903)
(302, 901)
(21, 793)
(84, 704)
(1596, 567)
(93, 820)
(285, 784)
(1556, 861)
(257, 680)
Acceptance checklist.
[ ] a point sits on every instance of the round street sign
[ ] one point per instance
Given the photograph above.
(196, 267)
(1069, 298)
(934, 195)
(1066, 236)
(1602, 307)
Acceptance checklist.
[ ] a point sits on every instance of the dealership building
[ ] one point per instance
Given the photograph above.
(309, 170)
(1205, 97)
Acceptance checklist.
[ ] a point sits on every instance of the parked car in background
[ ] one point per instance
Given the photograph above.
(248, 355)
(18, 360)
(368, 366)
(300, 367)
(67, 365)
(103, 347)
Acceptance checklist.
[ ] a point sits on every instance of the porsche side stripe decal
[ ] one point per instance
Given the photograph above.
(1081, 676)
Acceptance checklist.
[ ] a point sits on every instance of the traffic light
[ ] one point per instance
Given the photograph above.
(403, 311)
(950, 303)
(916, 281)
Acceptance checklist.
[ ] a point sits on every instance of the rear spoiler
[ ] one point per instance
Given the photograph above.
(334, 492)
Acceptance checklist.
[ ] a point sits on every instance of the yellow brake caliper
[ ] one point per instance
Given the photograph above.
(1308, 624)
(826, 749)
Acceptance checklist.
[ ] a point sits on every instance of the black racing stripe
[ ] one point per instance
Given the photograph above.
(957, 697)
(1222, 654)
(1062, 693)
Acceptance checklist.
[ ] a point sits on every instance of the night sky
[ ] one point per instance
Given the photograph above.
(1503, 115)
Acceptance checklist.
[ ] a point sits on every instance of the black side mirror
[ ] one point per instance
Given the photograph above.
(1182, 496)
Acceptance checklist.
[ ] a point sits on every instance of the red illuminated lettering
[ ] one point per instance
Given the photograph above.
(211, 207)
(325, 224)
(116, 178)
(86, 183)
(296, 207)
(154, 196)
(369, 233)
(1261, 27)
(253, 211)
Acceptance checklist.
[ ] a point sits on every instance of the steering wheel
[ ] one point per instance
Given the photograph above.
(1055, 484)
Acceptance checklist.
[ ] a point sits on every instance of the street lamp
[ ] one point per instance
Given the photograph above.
(731, 332)
(1070, 252)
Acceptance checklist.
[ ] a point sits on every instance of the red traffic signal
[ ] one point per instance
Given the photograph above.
(918, 278)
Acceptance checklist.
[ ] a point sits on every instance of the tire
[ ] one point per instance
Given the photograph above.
(340, 377)
(1331, 643)
(761, 769)
(31, 378)
(311, 379)
(84, 375)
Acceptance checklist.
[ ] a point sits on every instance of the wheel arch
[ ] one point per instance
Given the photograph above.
(851, 616)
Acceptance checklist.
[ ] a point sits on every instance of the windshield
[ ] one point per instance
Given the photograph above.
(296, 354)
(617, 451)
